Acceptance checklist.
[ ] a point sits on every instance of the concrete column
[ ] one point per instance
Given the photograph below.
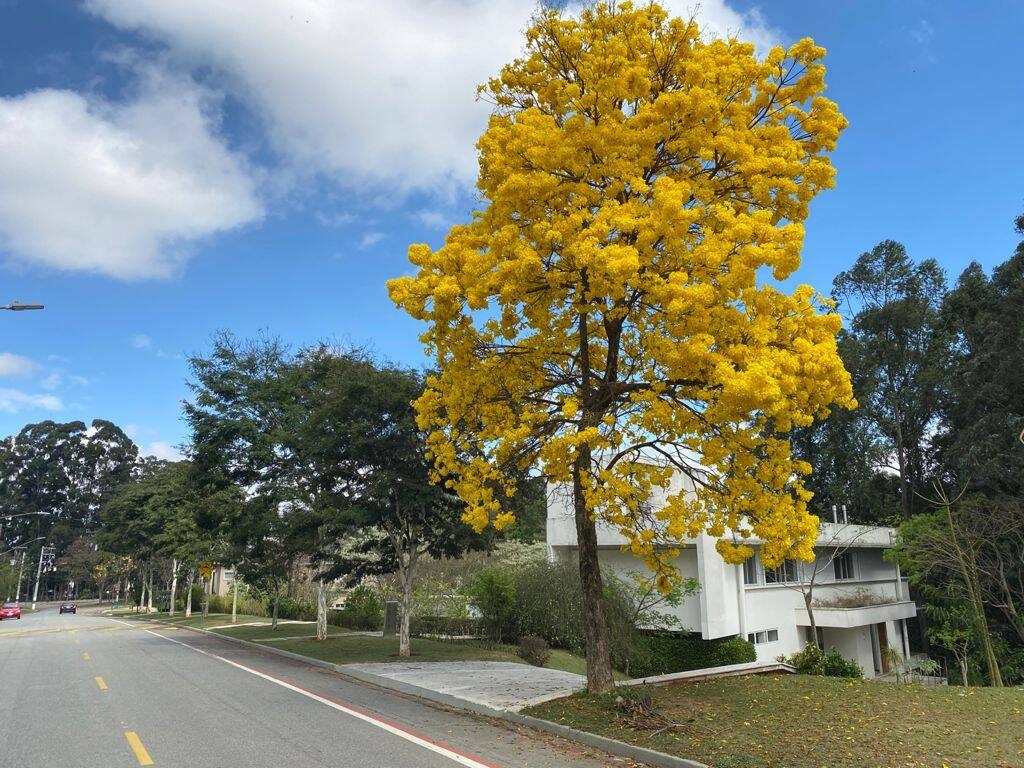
(741, 597)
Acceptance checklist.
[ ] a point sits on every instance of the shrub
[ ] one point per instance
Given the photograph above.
(493, 593)
(363, 608)
(836, 665)
(446, 626)
(814, 661)
(545, 599)
(534, 650)
(668, 652)
(351, 620)
(247, 606)
(809, 661)
(293, 609)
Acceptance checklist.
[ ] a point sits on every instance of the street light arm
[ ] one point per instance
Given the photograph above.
(17, 306)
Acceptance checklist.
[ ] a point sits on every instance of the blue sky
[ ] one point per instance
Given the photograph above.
(171, 169)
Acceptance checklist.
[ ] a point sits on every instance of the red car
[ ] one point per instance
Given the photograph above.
(10, 611)
(69, 608)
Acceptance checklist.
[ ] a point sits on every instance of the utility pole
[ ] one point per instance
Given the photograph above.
(45, 554)
(21, 567)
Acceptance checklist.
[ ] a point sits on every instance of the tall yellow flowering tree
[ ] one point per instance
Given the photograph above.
(601, 317)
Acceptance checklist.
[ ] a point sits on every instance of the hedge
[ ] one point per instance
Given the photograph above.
(668, 652)
(446, 626)
(354, 620)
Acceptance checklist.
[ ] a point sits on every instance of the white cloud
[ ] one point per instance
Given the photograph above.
(119, 189)
(15, 401)
(376, 95)
(433, 219)
(15, 365)
(141, 341)
(51, 381)
(371, 238)
(163, 450)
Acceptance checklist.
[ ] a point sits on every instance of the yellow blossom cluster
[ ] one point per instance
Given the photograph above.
(605, 316)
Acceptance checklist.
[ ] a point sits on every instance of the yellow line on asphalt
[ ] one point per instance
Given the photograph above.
(140, 751)
(101, 683)
(86, 656)
(31, 632)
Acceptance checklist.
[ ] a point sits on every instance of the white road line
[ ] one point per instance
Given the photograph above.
(398, 730)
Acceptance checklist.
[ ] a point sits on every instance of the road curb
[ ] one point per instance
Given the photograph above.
(611, 746)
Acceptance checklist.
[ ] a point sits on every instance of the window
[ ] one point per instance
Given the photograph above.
(784, 574)
(750, 570)
(764, 636)
(843, 565)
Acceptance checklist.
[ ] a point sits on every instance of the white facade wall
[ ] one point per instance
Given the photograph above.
(727, 607)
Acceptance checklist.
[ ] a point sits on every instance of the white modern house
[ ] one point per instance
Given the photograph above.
(861, 604)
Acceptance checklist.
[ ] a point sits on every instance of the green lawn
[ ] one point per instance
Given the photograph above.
(362, 648)
(797, 721)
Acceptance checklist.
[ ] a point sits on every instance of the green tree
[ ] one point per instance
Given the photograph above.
(894, 341)
(983, 410)
(389, 488)
(65, 472)
(848, 454)
(941, 551)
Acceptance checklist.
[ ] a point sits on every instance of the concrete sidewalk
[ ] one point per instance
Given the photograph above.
(501, 685)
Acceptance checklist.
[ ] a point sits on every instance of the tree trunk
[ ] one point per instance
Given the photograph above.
(142, 591)
(277, 602)
(404, 643)
(234, 594)
(808, 600)
(188, 595)
(174, 586)
(321, 610)
(149, 593)
(599, 664)
(902, 461)
(969, 574)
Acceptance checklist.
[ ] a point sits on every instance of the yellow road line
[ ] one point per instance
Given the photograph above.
(86, 656)
(140, 751)
(31, 632)
(101, 683)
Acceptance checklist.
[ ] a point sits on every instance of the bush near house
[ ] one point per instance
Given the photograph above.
(814, 661)
(665, 652)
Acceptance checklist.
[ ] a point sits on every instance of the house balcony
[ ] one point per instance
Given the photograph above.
(876, 609)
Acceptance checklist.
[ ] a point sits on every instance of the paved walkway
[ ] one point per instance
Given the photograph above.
(498, 684)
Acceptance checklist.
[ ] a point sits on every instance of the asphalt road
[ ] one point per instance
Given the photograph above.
(89, 691)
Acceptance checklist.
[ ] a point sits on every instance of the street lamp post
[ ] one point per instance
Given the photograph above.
(17, 306)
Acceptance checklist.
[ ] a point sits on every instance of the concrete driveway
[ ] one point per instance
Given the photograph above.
(497, 684)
